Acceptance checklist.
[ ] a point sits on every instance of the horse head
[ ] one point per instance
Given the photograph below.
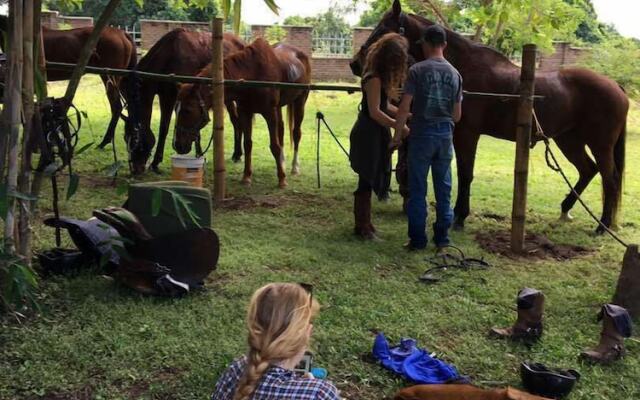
(394, 20)
(192, 114)
(140, 140)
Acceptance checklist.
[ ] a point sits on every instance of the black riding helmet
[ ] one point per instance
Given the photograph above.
(548, 382)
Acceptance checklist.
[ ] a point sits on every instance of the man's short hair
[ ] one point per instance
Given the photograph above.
(434, 35)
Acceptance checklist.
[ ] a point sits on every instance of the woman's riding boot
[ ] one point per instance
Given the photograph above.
(528, 326)
(362, 214)
(616, 325)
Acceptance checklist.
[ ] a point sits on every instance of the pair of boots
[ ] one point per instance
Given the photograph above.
(362, 215)
(616, 325)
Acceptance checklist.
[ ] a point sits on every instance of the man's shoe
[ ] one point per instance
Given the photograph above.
(411, 247)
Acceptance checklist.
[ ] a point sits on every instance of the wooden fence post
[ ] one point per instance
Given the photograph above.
(523, 140)
(217, 91)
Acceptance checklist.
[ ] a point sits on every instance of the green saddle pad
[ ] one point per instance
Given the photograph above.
(172, 216)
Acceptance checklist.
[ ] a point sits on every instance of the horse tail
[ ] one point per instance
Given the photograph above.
(291, 111)
(619, 155)
(133, 58)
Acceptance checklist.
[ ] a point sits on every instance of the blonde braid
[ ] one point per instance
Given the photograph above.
(278, 317)
(256, 367)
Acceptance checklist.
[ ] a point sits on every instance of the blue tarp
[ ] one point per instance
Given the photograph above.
(412, 362)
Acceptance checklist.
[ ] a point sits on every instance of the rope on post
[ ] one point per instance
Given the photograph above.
(320, 117)
(554, 165)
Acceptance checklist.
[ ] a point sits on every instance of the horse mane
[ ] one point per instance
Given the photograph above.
(457, 40)
(159, 50)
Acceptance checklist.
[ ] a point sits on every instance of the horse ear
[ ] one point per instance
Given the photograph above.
(396, 8)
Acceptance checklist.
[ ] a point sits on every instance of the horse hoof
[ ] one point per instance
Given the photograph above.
(156, 170)
(246, 181)
(295, 171)
(458, 226)
(282, 184)
(566, 217)
(236, 158)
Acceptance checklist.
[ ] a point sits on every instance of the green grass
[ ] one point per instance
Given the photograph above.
(99, 340)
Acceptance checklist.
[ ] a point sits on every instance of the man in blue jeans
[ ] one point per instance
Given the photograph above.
(433, 93)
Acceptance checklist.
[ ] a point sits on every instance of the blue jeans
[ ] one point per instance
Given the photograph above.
(430, 148)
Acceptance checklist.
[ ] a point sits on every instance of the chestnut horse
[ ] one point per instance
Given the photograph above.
(261, 62)
(115, 49)
(179, 52)
(581, 109)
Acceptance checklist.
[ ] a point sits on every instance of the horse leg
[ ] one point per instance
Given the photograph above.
(274, 119)
(606, 166)
(298, 117)
(576, 154)
(280, 131)
(245, 123)
(113, 95)
(167, 102)
(466, 145)
(232, 109)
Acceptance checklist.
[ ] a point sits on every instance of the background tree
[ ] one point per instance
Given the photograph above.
(331, 22)
(131, 11)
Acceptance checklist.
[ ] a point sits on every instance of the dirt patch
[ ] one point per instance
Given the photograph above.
(493, 216)
(97, 181)
(141, 386)
(536, 246)
(265, 201)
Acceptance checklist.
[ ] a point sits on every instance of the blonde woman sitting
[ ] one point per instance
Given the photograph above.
(280, 322)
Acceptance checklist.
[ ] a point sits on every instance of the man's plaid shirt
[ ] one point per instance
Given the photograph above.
(277, 383)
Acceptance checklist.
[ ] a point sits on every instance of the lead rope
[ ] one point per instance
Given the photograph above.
(553, 163)
(320, 118)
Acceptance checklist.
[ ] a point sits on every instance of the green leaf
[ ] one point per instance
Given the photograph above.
(176, 205)
(84, 148)
(226, 7)
(273, 6)
(23, 196)
(237, 15)
(74, 181)
(156, 202)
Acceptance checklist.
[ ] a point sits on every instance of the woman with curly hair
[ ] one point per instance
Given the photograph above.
(280, 324)
(384, 74)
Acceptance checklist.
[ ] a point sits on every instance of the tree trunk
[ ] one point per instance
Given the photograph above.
(24, 179)
(498, 33)
(40, 61)
(438, 13)
(480, 28)
(13, 108)
(88, 48)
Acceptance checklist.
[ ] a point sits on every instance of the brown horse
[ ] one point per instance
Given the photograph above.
(115, 49)
(580, 109)
(259, 61)
(179, 52)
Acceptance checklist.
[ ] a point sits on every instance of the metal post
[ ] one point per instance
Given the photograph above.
(523, 140)
(217, 91)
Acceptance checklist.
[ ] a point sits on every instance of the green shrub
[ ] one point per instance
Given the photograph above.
(18, 285)
(618, 58)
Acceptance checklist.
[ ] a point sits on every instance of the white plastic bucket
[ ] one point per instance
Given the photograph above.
(187, 168)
